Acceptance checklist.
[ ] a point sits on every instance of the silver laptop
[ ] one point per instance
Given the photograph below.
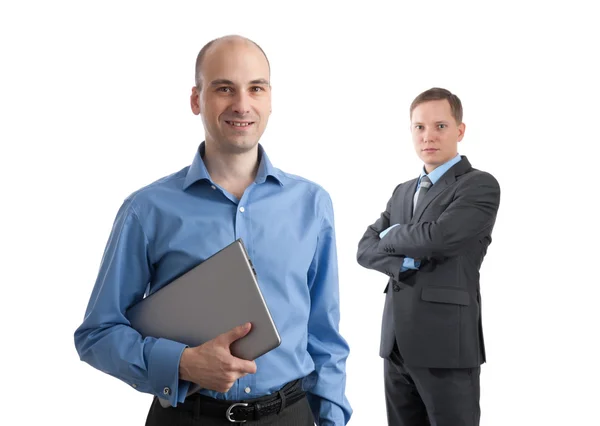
(210, 299)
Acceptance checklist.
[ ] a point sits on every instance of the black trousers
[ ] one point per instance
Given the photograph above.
(419, 396)
(297, 414)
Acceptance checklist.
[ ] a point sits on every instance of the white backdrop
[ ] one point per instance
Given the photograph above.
(94, 104)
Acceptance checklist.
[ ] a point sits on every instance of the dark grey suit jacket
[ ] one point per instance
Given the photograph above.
(435, 313)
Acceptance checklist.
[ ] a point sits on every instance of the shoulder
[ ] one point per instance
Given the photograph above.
(147, 196)
(476, 177)
(301, 183)
(308, 192)
(402, 185)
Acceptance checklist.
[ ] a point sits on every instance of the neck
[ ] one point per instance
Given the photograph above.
(430, 168)
(234, 171)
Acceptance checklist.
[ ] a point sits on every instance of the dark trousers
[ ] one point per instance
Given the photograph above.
(297, 414)
(419, 396)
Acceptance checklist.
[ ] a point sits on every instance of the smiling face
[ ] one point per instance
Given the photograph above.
(435, 133)
(234, 95)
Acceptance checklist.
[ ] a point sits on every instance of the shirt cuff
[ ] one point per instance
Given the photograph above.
(163, 371)
(410, 263)
(331, 415)
(385, 231)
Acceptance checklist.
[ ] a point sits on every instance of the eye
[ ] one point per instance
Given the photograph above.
(225, 89)
(442, 126)
(257, 89)
(419, 127)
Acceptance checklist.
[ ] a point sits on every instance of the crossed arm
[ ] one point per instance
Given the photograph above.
(468, 217)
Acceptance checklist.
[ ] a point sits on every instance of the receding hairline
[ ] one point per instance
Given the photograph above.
(215, 42)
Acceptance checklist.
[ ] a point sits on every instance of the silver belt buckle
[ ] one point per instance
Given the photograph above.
(231, 407)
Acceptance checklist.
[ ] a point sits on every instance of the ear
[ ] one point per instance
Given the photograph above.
(195, 101)
(461, 131)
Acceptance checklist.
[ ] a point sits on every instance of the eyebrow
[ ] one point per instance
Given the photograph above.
(260, 81)
(437, 122)
(220, 82)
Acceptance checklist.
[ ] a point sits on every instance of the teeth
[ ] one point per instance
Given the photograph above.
(238, 124)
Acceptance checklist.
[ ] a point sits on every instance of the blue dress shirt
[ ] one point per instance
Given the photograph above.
(434, 176)
(165, 228)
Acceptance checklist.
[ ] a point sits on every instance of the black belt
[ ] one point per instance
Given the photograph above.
(244, 410)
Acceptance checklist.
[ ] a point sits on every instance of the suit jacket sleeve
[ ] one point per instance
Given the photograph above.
(469, 217)
(369, 255)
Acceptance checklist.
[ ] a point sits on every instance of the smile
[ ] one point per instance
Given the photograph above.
(240, 123)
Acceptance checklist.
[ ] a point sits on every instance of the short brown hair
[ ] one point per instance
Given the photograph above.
(202, 53)
(438, 94)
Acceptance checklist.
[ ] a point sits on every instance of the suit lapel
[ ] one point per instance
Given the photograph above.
(438, 188)
(407, 200)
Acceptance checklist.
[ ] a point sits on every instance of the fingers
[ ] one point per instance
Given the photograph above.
(238, 367)
(235, 333)
(246, 367)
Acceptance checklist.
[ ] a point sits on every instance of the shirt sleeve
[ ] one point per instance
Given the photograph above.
(326, 346)
(105, 339)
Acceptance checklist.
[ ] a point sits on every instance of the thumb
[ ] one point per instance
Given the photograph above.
(236, 333)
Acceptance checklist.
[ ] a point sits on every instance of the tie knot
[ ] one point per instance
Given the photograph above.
(426, 182)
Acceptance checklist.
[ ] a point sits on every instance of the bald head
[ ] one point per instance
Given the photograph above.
(225, 42)
(232, 93)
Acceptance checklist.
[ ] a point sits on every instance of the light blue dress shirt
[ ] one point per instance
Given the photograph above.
(434, 176)
(165, 228)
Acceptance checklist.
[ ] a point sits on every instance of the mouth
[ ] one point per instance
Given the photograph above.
(240, 124)
(430, 150)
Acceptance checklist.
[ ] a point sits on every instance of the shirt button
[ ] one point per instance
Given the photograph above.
(167, 390)
(242, 209)
(134, 386)
(213, 187)
(248, 390)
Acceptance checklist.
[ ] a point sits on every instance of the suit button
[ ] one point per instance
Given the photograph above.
(396, 287)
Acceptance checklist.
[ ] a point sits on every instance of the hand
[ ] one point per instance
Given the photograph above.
(211, 364)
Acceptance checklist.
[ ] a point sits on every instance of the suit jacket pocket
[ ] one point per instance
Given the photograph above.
(455, 296)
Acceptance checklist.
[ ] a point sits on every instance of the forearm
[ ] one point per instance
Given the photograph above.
(425, 240)
(371, 257)
(327, 399)
(148, 365)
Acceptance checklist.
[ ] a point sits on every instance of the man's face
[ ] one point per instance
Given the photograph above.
(435, 133)
(235, 95)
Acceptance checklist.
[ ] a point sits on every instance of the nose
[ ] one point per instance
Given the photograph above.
(428, 135)
(241, 103)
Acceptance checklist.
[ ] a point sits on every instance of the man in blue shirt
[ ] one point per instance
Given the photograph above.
(431, 240)
(230, 191)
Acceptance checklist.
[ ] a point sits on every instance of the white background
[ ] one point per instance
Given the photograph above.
(94, 104)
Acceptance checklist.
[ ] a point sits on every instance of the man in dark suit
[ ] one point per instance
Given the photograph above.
(431, 240)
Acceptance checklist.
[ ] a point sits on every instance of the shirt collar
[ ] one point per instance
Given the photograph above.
(198, 172)
(439, 171)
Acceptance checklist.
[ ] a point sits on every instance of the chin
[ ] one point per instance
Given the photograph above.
(239, 146)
